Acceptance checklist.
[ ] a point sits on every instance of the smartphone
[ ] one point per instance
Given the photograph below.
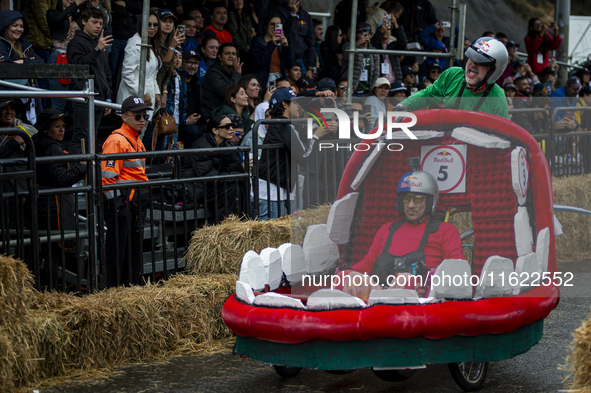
(549, 87)
(569, 115)
(181, 29)
(279, 30)
(273, 85)
(388, 21)
(445, 23)
(366, 108)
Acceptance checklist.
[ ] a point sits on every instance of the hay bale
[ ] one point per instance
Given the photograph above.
(16, 289)
(576, 241)
(133, 324)
(579, 358)
(220, 248)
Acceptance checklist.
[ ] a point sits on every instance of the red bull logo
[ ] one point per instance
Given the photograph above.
(411, 183)
(483, 46)
(410, 178)
(444, 156)
(444, 153)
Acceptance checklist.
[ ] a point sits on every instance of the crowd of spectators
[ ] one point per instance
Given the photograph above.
(214, 66)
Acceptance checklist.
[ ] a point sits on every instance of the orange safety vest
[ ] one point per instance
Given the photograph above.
(123, 140)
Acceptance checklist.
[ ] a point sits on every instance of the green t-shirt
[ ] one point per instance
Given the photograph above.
(446, 90)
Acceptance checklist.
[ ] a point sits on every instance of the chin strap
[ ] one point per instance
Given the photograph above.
(480, 102)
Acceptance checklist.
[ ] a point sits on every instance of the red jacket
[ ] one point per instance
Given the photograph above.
(443, 244)
(532, 46)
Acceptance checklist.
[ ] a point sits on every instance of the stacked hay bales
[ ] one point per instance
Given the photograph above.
(580, 359)
(573, 191)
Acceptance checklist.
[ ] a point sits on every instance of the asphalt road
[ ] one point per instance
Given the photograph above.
(534, 371)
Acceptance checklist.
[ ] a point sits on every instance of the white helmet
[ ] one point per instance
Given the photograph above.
(419, 182)
(489, 52)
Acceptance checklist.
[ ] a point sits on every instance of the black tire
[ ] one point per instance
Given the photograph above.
(338, 372)
(286, 371)
(468, 375)
(393, 375)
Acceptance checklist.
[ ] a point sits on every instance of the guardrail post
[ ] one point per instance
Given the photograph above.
(352, 52)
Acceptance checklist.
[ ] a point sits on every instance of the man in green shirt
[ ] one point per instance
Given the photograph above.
(471, 87)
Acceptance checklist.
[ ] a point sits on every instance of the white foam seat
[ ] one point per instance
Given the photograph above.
(277, 300)
(293, 262)
(523, 232)
(524, 268)
(478, 138)
(543, 249)
(444, 287)
(320, 251)
(332, 299)
(368, 164)
(273, 269)
(244, 292)
(393, 296)
(494, 278)
(252, 271)
(340, 218)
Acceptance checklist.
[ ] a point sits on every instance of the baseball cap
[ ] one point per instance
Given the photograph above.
(509, 85)
(511, 44)
(15, 101)
(45, 118)
(574, 82)
(305, 82)
(381, 81)
(406, 70)
(282, 95)
(548, 71)
(327, 84)
(165, 13)
(364, 27)
(538, 87)
(397, 86)
(134, 104)
(434, 65)
(190, 53)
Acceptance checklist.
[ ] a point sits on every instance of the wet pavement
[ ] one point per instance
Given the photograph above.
(534, 371)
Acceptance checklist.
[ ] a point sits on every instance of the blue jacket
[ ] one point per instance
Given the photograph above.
(299, 31)
(7, 53)
(261, 53)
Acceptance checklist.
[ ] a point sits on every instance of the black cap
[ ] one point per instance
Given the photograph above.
(165, 13)
(364, 27)
(512, 44)
(14, 101)
(548, 71)
(406, 70)
(327, 84)
(434, 65)
(134, 104)
(47, 116)
(190, 53)
(305, 82)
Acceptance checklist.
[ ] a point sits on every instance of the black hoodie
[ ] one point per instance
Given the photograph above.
(81, 50)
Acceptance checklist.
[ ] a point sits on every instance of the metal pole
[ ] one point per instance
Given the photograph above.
(563, 22)
(91, 132)
(144, 49)
(353, 48)
(452, 33)
(461, 33)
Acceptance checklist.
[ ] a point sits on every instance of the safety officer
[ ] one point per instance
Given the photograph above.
(125, 208)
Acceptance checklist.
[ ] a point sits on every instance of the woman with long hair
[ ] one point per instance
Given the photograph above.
(237, 108)
(541, 38)
(251, 85)
(209, 52)
(223, 195)
(270, 53)
(168, 41)
(131, 67)
(332, 39)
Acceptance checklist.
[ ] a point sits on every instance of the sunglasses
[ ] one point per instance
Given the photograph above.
(152, 24)
(227, 126)
(342, 87)
(436, 71)
(139, 117)
(417, 198)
